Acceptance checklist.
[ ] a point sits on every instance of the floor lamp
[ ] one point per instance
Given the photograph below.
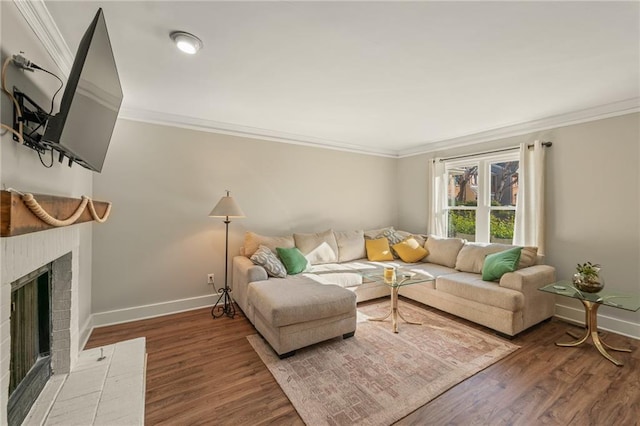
(226, 207)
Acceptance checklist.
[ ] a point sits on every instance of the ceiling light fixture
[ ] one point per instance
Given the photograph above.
(186, 42)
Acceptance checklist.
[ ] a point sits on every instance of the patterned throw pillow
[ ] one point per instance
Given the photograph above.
(269, 261)
(393, 237)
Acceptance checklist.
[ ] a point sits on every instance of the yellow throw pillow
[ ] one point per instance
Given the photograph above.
(410, 250)
(378, 250)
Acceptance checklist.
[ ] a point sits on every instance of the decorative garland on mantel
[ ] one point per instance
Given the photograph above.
(36, 208)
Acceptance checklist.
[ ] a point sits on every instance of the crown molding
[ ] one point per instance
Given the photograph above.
(37, 15)
(40, 20)
(211, 126)
(613, 109)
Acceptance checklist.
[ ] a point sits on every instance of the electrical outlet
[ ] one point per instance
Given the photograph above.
(210, 279)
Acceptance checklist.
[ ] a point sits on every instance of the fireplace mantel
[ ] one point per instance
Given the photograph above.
(17, 219)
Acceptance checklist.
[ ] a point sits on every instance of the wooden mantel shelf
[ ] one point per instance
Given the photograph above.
(17, 219)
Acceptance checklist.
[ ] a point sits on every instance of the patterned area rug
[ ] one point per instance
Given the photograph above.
(378, 377)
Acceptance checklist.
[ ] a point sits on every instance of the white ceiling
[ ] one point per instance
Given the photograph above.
(391, 78)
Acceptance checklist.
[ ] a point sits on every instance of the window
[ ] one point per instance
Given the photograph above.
(481, 198)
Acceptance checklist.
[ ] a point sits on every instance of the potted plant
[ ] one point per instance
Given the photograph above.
(588, 277)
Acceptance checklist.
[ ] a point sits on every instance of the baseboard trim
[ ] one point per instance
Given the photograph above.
(119, 316)
(614, 325)
(85, 333)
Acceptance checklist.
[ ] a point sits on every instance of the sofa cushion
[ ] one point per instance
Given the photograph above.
(350, 245)
(528, 257)
(269, 261)
(443, 251)
(410, 251)
(378, 250)
(292, 259)
(498, 264)
(342, 279)
(320, 247)
(293, 301)
(252, 241)
(471, 256)
(471, 287)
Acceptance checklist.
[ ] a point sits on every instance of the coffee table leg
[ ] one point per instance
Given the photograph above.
(394, 312)
(386, 316)
(394, 308)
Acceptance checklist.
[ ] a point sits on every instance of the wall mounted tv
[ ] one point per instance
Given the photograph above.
(82, 129)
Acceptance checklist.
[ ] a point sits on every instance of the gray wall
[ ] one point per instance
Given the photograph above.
(593, 196)
(19, 166)
(159, 243)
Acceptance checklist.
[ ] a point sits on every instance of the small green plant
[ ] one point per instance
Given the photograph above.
(589, 271)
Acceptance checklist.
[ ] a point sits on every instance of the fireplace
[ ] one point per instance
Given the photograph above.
(39, 274)
(30, 356)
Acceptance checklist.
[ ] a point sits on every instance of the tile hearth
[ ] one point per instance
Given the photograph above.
(110, 391)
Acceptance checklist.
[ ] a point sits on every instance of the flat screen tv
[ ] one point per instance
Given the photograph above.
(82, 129)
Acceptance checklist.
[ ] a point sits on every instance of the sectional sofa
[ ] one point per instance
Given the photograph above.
(332, 277)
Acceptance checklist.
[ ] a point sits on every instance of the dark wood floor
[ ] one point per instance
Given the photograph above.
(203, 371)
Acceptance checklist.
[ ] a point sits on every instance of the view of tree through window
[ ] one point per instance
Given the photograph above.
(481, 199)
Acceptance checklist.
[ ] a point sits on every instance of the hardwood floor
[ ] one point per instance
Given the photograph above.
(203, 371)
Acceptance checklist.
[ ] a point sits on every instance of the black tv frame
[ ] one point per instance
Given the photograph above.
(53, 125)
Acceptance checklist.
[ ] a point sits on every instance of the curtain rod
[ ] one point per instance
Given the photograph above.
(495, 151)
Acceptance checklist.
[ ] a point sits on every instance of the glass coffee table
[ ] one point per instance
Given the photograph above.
(591, 303)
(401, 278)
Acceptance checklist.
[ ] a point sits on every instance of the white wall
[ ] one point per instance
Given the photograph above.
(159, 243)
(593, 204)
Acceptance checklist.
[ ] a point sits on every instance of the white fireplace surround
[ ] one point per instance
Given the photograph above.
(20, 256)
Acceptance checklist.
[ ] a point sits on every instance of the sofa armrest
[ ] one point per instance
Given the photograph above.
(529, 279)
(247, 269)
(245, 272)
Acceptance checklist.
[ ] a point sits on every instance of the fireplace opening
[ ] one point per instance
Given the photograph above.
(30, 357)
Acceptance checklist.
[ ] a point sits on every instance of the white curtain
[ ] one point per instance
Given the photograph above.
(530, 220)
(438, 185)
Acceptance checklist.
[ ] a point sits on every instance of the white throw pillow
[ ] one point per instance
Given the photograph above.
(320, 247)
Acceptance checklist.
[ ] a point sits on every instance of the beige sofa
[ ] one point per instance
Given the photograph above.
(508, 306)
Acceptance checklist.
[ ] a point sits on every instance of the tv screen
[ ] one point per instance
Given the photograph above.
(89, 108)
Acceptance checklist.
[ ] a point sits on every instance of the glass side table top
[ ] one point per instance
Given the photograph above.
(605, 297)
(403, 277)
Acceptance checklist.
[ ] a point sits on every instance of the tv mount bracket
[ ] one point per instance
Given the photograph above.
(33, 119)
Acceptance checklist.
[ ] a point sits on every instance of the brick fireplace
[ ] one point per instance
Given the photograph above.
(21, 256)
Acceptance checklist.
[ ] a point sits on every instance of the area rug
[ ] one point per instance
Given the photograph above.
(378, 377)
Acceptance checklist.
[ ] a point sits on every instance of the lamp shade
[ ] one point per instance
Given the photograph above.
(227, 207)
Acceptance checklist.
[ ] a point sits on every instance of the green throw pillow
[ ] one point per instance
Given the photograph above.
(498, 264)
(293, 259)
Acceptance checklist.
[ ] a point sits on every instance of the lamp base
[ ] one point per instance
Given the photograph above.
(227, 308)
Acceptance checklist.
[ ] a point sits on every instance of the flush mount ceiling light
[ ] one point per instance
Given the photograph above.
(186, 42)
